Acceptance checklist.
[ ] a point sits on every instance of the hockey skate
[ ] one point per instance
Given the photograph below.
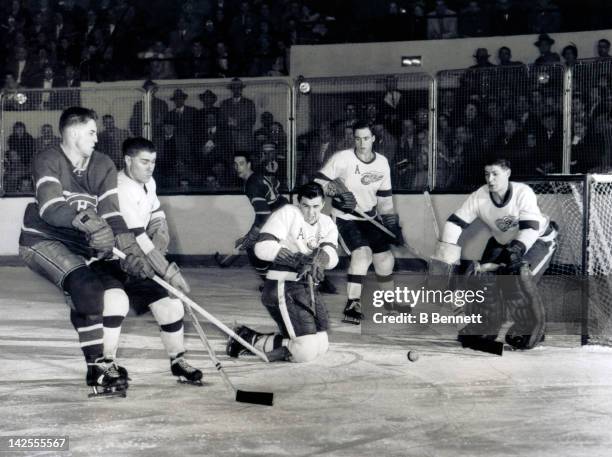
(234, 348)
(352, 312)
(105, 380)
(186, 373)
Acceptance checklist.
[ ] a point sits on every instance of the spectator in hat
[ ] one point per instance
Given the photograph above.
(482, 58)
(159, 111)
(208, 99)
(237, 115)
(184, 118)
(544, 45)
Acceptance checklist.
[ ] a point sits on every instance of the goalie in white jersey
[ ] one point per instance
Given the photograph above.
(301, 243)
(523, 243)
(359, 179)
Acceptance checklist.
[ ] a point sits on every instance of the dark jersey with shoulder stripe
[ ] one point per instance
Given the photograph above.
(62, 191)
(263, 193)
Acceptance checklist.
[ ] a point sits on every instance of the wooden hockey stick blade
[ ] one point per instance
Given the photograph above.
(257, 398)
(212, 319)
(482, 345)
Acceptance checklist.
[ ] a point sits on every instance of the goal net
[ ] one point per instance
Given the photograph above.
(578, 285)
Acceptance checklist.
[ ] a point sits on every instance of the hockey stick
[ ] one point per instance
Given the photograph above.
(228, 260)
(243, 396)
(212, 319)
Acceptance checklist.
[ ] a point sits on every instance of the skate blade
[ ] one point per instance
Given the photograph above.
(348, 320)
(192, 383)
(107, 393)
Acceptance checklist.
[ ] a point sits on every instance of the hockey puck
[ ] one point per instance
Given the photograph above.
(413, 356)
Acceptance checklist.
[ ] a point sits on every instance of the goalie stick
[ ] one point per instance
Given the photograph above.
(212, 319)
(243, 396)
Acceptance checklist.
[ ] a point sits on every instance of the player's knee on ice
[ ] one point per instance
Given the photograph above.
(167, 310)
(323, 343)
(116, 303)
(304, 348)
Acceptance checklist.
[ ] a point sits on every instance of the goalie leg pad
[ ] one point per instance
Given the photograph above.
(491, 309)
(526, 310)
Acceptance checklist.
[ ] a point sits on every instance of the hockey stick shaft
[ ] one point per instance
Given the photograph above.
(212, 319)
(259, 398)
(432, 210)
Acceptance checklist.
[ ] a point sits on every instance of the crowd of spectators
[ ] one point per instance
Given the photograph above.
(54, 43)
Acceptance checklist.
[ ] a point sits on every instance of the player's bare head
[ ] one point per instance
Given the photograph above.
(139, 155)
(242, 164)
(79, 130)
(497, 173)
(311, 199)
(364, 138)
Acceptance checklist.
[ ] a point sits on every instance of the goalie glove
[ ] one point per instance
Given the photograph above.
(391, 222)
(99, 234)
(170, 272)
(342, 198)
(248, 241)
(512, 257)
(159, 234)
(135, 263)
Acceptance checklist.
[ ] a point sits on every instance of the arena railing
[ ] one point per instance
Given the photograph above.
(435, 131)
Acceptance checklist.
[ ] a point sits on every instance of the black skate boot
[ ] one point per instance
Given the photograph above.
(186, 373)
(234, 348)
(123, 373)
(395, 308)
(352, 312)
(105, 380)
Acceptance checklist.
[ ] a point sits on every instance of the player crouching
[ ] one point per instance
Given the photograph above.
(522, 245)
(301, 243)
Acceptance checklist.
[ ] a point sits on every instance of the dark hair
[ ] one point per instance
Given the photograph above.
(75, 115)
(132, 146)
(504, 163)
(361, 124)
(310, 190)
(605, 41)
(244, 154)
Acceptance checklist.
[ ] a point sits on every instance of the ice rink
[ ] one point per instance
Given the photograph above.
(363, 398)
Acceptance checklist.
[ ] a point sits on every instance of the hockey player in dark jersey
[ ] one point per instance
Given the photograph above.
(71, 228)
(263, 193)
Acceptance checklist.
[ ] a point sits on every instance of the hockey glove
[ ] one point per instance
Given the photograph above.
(295, 260)
(319, 263)
(342, 198)
(391, 222)
(512, 257)
(248, 240)
(159, 234)
(170, 272)
(135, 263)
(99, 234)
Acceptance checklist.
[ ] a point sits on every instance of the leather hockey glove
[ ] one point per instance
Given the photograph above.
(159, 234)
(512, 257)
(342, 198)
(248, 241)
(135, 263)
(319, 263)
(170, 272)
(99, 234)
(391, 222)
(295, 260)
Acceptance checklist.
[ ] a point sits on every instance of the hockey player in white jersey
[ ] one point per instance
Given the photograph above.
(145, 218)
(360, 179)
(522, 244)
(301, 243)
